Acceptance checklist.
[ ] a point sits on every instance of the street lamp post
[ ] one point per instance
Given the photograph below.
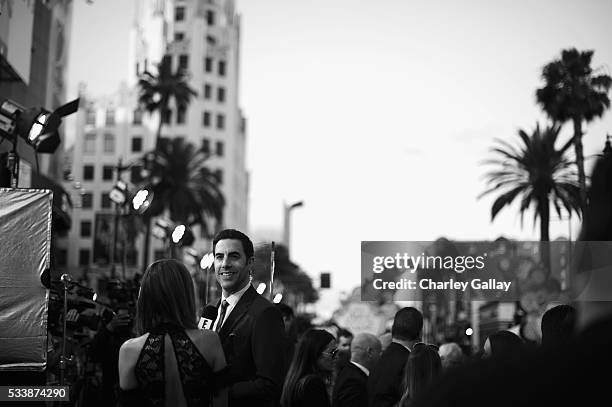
(287, 222)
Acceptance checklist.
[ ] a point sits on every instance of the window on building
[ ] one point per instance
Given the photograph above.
(89, 144)
(220, 121)
(206, 146)
(208, 63)
(211, 40)
(61, 257)
(220, 94)
(137, 117)
(85, 228)
(136, 144)
(183, 62)
(88, 173)
(219, 148)
(109, 143)
(107, 172)
(219, 176)
(110, 117)
(178, 36)
(106, 201)
(90, 117)
(166, 116)
(206, 119)
(210, 17)
(222, 66)
(207, 90)
(179, 13)
(181, 115)
(87, 200)
(84, 257)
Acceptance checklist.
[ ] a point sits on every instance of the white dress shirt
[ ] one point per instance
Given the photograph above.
(232, 300)
(362, 368)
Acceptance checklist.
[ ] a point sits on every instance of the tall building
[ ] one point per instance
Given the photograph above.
(34, 44)
(203, 38)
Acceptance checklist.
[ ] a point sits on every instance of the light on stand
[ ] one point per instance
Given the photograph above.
(277, 298)
(261, 288)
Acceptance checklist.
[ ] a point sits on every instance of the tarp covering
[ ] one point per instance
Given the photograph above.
(25, 245)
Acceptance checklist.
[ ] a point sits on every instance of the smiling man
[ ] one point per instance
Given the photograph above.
(250, 327)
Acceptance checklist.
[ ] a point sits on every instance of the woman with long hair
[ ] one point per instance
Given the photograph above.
(308, 381)
(172, 362)
(422, 368)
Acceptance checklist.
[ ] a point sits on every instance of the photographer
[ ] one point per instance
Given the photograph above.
(114, 329)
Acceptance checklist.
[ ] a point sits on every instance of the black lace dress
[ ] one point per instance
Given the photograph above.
(196, 375)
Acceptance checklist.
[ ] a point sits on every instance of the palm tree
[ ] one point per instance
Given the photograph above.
(155, 94)
(536, 171)
(574, 91)
(157, 90)
(185, 188)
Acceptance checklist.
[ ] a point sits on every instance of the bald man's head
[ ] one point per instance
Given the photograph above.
(365, 350)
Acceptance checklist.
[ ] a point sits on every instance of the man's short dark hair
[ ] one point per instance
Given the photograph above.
(285, 310)
(558, 325)
(407, 324)
(344, 333)
(247, 245)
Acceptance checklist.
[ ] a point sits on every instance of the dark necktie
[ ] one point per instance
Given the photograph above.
(224, 305)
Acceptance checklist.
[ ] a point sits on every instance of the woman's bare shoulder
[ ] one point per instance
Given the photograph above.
(133, 346)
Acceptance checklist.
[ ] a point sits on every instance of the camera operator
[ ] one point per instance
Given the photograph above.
(115, 328)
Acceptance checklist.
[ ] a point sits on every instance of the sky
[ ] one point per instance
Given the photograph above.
(378, 114)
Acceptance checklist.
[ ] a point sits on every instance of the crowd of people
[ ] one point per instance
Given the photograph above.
(252, 355)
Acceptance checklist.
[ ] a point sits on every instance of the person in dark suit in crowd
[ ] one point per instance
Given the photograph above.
(503, 344)
(558, 325)
(288, 317)
(385, 381)
(250, 327)
(345, 337)
(549, 376)
(308, 381)
(350, 389)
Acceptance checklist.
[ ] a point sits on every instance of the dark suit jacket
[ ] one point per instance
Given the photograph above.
(350, 389)
(253, 337)
(385, 381)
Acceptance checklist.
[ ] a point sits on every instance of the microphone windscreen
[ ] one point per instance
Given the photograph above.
(209, 314)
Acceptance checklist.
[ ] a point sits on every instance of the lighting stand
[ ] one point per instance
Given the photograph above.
(12, 163)
(66, 280)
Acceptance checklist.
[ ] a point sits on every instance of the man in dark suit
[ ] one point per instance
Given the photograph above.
(351, 385)
(249, 326)
(385, 382)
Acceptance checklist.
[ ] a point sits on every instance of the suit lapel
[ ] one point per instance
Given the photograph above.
(238, 312)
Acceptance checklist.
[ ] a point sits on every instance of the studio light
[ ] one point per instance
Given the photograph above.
(119, 193)
(37, 126)
(207, 261)
(142, 200)
(177, 233)
(180, 234)
(277, 298)
(261, 288)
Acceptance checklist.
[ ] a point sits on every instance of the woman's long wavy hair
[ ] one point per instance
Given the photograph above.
(422, 368)
(304, 363)
(166, 295)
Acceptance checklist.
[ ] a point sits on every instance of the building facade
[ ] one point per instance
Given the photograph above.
(203, 38)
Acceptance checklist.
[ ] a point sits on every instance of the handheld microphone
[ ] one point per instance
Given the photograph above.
(209, 315)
